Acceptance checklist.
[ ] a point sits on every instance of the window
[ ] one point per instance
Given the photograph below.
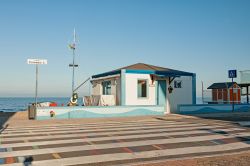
(142, 88)
(106, 88)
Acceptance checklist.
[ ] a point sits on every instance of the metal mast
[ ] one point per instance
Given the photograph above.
(73, 75)
(73, 65)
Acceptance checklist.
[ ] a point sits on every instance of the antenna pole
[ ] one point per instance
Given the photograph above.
(73, 65)
(73, 75)
(202, 92)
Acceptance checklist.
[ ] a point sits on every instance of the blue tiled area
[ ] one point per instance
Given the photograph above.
(2, 161)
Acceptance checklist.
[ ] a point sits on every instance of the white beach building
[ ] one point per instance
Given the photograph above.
(143, 84)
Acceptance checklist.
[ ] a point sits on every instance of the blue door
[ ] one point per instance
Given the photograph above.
(161, 92)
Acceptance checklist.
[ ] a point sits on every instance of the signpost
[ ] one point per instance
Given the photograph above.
(232, 74)
(36, 62)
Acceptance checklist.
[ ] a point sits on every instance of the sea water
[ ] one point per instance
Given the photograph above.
(15, 104)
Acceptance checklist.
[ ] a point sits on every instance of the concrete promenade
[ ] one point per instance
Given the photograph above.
(156, 140)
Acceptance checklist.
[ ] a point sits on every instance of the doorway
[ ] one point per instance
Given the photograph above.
(161, 92)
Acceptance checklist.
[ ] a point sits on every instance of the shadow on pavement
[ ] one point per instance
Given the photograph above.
(4, 117)
(243, 139)
(215, 131)
(234, 118)
(28, 161)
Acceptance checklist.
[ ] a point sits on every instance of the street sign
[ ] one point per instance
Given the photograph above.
(37, 61)
(232, 73)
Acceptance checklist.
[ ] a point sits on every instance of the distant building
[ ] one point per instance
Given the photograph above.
(144, 84)
(225, 92)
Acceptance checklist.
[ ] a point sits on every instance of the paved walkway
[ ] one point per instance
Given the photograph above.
(119, 141)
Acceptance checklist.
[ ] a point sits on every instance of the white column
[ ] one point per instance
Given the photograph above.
(168, 111)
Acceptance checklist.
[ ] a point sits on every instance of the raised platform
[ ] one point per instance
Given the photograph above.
(212, 108)
(96, 112)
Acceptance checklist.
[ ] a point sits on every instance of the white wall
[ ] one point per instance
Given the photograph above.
(131, 90)
(178, 96)
(96, 87)
(181, 95)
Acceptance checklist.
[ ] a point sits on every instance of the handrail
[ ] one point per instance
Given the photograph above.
(81, 84)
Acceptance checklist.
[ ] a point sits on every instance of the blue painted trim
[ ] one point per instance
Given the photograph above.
(161, 73)
(158, 91)
(194, 89)
(172, 73)
(123, 87)
(140, 71)
(107, 74)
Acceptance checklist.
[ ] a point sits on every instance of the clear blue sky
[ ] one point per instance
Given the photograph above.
(207, 37)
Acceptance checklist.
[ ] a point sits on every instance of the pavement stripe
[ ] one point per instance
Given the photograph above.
(80, 131)
(146, 142)
(35, 147)
(103, 138)
(56, 155)
(143, 161)
(9, 149)
(109, 130)
(138, 155)
(72, 136)
(46, 142)
(3, 149)
(75, 132)
(92, 126)
(25, 140)
(90, 143)
(94, 152)
(120, 143)
(127, 150)
(108, 139)
(97, 128)
(91, 133)
(157, 147)
(9, 160)
(61, 123)
(2, 161)
(98, 125)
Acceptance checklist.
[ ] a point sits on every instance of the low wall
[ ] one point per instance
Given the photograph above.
(211, 108)
(96, 111)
